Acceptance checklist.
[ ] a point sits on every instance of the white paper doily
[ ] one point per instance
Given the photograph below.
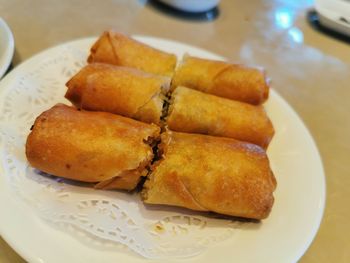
(105, 215)
(47, 219)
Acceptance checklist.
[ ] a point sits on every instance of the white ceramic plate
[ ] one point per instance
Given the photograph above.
(7, 47)
(283, 237)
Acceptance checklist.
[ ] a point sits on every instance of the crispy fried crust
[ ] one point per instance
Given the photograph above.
(118, 49)
(208, 173)
(127, 180)
(197, 112)
(120, 90)
(232, 81)
(89, 146)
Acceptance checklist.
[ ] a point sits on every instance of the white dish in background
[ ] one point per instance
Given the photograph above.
(334, 14)
(192, 5)
(283, 237)
(7, 47)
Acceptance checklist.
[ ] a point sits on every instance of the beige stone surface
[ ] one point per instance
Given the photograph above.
(309, 69)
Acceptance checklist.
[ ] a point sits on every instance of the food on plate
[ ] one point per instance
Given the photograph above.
(118, 49)
(109, 150)
(125, 91)
(207, 173)
(198, 133)
(232, 81)
(197, 112)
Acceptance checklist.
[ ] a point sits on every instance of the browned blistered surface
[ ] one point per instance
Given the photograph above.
(115, 144)
(208, 173)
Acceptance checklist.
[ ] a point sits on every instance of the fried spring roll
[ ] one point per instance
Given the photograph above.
(232, 81)
(208, 173)
(96, 147)
(118, 49)
(197, 112)
(125, 91)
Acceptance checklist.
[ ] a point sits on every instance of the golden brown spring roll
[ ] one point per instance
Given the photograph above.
(208, 173)
(232, 81)
(197, 112)
(118, 49)
(125, 91)
(95, 147)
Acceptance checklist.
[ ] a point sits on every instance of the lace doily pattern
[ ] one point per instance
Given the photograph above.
(114, 216)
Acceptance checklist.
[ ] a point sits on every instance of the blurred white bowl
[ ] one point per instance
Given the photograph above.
(192, 5)
(7, 47)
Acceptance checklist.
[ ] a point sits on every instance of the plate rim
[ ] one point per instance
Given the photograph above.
(313, 232)
(10, 48)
